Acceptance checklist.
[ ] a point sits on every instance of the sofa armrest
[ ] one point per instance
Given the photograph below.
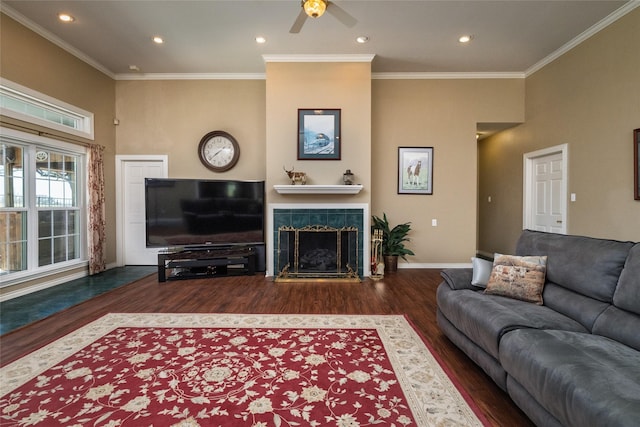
(458, 278)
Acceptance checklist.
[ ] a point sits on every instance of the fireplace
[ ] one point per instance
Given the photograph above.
(317, 252)
(317, 241)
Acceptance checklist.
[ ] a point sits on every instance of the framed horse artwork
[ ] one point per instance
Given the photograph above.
(415, 170)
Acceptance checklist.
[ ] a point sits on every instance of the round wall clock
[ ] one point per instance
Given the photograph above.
(218, 151)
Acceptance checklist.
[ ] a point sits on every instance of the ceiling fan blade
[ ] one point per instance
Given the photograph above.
(300, 20)
(341, 15)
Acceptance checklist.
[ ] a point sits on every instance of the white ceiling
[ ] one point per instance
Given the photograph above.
(218, 37)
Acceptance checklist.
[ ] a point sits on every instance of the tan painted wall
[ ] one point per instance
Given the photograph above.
(171, 117)
(587, 98)
(441, 114)
(346, 86)
(30, 60)
(590, 99)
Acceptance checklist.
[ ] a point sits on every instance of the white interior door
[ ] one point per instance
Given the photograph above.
(546, 190)
(132, 172)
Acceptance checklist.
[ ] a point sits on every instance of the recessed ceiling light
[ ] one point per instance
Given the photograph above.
(158, 40)
(65, 17)
(261, 40)
(362, 39)
(465, 38)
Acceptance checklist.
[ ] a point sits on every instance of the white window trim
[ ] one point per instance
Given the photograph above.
(40, 100)
(35, 272)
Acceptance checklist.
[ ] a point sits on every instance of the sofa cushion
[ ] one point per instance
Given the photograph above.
(619, 325)
(627, 295)
(621, 321)
(580, 379)
(574, 305)
(487, 317)
(586, 265)
(488, 363)
(519, 277)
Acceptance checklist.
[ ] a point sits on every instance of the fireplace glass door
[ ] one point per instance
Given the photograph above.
(317, 252)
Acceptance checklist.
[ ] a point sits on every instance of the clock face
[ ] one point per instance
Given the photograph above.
(218, 151)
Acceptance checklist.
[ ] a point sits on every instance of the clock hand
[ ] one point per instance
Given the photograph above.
(215, 154)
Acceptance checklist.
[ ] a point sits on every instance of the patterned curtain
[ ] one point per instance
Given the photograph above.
(96, 220)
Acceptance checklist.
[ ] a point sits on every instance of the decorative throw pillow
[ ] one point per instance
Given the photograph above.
(519, 277)
(481, 272)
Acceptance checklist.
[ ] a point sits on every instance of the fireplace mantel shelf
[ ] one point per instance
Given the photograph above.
(318, 189)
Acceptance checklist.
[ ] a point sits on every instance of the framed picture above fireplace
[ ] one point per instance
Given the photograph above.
(415, 170)
(319, 134)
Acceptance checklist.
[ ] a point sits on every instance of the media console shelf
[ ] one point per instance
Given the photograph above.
(202, 262)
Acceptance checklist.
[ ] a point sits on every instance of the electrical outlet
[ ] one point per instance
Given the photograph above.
(434, 222)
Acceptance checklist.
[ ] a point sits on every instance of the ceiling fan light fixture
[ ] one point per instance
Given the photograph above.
(314, 8)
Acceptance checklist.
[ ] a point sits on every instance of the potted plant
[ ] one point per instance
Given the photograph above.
(392, 241)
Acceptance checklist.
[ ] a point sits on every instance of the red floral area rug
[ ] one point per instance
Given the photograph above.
(234, 370)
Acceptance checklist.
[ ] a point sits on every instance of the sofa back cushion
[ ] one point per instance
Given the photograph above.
(586, 265)
(619, 325)
(580, 308)
(621, 321)
(627, 295)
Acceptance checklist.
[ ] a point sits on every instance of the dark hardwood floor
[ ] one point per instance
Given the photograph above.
(409, 291)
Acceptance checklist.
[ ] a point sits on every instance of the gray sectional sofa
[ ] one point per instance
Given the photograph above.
(573, 361)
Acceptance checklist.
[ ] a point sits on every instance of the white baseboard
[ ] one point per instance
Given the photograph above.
(434, 265)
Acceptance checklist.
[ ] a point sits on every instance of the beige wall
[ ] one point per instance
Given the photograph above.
(589, 99)
(345, 86)
(31, 61)
(442, 114)
(171, 117)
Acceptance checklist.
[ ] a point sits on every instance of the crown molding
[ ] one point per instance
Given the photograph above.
(447, 76)
(374, 76)
(318, 58)
(596, 28)
(191, 76)
(54, 39)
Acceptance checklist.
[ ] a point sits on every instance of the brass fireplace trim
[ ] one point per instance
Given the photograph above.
(289, 274)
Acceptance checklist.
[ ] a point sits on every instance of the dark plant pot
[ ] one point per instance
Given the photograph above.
(390, 263)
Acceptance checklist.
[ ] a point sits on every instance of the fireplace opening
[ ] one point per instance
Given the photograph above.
(317, 252)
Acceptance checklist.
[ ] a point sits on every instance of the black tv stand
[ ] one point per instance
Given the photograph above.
(202, 262)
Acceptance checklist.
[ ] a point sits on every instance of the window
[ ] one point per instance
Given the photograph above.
(25, 104)
(41, 203)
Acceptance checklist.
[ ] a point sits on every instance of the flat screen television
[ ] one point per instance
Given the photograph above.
(196, 212)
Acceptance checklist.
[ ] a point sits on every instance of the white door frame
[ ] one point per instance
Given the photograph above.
(528, 158)
(120, 161)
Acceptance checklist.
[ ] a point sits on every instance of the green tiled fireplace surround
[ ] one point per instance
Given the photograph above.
(331, 217)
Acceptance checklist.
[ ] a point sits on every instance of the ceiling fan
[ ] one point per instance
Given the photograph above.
(316, 8)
